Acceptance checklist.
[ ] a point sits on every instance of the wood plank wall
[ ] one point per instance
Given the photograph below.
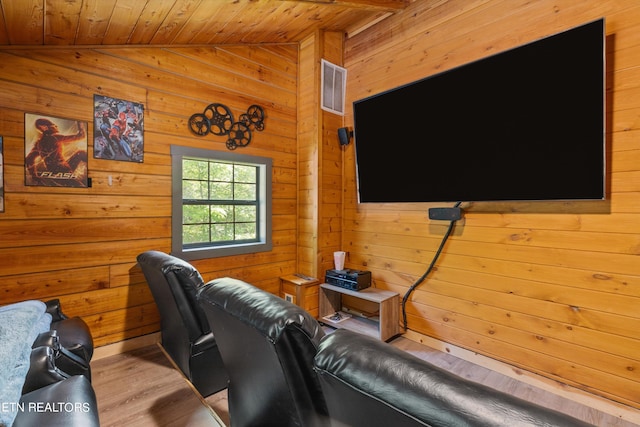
(553, 288)
(320, 157)
(80, 245)
(309, 149)
(331, 168)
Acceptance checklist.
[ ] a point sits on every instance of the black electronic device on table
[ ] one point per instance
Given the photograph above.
(354, 280)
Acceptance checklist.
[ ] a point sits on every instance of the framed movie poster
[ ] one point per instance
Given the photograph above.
(55, 151)
(118, 129)
(1, 177)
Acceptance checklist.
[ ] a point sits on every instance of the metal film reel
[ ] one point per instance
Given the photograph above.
(239, 136)
(254, 117)
(220, 118)
(199, 124)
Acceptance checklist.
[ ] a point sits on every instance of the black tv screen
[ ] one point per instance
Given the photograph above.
(525, 124)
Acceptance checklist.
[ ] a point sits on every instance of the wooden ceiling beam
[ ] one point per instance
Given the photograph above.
(382, 5)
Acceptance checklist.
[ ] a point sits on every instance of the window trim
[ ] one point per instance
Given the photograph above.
(264, 242)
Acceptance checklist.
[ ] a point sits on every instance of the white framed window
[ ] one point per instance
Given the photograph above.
(221, 203)
(334, 82)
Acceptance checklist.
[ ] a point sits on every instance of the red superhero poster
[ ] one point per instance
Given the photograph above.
(118, 129)
(55, 151)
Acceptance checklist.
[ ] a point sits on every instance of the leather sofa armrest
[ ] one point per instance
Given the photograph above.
(204, 343)
(73, 331)
(75, 335)
(65, 360)
(73, 403)
(42, 370)
(55, 310)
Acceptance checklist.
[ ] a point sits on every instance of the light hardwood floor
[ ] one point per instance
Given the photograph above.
(142, 388)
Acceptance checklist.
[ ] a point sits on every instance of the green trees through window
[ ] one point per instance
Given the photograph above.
(219, 202)
(223, 200)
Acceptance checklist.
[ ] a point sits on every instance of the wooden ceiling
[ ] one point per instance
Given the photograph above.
(182, 22)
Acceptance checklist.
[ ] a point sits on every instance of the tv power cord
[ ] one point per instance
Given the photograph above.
(453, 214)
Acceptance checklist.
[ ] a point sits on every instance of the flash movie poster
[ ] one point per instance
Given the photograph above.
(118, 129)
(55, 151)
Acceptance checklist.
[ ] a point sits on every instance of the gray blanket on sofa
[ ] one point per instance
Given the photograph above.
(20, 324)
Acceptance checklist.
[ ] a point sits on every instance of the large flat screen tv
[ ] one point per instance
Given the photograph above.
(525, 124)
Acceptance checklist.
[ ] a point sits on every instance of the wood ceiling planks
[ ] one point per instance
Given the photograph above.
(182, 22)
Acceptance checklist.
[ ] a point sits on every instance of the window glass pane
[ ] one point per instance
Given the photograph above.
(221, 191)
(195, 214)
(194, 190)
(198, 233)
(246, 214)
(222, 232)
(221, 171)
(245, 174)
(245, 231)
(244, 192)
(195, 169)
(221, 213)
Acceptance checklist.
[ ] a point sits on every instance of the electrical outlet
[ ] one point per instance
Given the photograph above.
(288, 297)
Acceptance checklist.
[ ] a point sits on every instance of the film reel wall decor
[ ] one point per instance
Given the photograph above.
(218, 120)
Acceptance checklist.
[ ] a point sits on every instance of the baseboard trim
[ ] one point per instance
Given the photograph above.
(126, 345)
(600, 403)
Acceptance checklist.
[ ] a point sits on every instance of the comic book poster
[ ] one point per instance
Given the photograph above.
(1, 177)
(55, 151)
(118, 129)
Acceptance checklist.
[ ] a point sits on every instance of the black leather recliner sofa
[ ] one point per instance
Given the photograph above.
(267, 345)
(42, 382)
(186, 333)
(285, 371)
(367, 383)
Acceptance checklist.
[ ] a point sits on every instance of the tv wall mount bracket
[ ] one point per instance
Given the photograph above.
(217, 119)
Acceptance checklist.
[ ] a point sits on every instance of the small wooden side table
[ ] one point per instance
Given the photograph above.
(301, 291)
(383, 325)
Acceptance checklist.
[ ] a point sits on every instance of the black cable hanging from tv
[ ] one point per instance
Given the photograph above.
(426, 273)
